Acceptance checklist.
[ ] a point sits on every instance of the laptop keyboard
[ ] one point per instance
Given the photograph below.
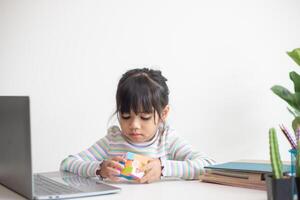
(46, 186)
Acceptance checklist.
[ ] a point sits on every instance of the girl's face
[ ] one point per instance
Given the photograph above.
(141, 127)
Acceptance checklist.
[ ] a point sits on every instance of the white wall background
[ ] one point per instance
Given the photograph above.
(221, 58)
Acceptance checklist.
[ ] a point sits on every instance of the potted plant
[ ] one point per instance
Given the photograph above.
(279, 187)
(293, 99)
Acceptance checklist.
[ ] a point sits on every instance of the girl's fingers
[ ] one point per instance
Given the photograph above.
(144, 168)
(135, 180)
(115, 164)
(148, 167)
(146, 178)
(119, 159)
(112, 171)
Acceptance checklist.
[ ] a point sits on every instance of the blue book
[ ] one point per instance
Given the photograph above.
(248, 167)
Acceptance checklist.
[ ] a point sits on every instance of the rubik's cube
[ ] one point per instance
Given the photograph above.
(133, 167)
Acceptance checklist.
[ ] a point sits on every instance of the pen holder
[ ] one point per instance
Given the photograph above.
(295, 182)
(293, 153)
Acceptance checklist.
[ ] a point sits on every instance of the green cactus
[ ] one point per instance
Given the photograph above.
(275, 155)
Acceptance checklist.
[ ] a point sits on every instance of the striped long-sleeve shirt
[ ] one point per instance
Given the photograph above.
(176, 155)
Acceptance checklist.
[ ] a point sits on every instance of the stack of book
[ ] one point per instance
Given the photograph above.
(247, 174)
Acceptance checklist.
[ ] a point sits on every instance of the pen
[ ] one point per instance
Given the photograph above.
(288, 136)
(297, 135)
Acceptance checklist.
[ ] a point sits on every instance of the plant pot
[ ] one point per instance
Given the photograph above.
(297, 183)
(279, 189)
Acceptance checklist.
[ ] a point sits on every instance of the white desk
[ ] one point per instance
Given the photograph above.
(168, 190)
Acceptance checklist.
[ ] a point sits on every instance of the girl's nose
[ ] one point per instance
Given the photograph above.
(135, 123)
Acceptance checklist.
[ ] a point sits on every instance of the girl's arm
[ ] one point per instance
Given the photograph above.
(182, 161)
(87, 162)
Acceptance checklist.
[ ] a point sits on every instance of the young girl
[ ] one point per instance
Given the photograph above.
(142, 108)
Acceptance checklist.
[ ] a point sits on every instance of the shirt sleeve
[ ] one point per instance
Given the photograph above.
(87, 161)
(182, 161)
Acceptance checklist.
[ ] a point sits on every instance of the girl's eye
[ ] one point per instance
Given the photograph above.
(145, 118)
(125, 116)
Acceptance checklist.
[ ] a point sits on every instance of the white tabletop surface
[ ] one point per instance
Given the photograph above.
(168, 189)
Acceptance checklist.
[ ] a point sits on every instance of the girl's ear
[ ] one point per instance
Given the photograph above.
(165, 113)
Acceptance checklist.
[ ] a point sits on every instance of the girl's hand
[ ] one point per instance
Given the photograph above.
(111, 168)
(152, 171)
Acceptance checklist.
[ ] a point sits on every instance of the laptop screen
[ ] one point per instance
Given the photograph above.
(15, 147)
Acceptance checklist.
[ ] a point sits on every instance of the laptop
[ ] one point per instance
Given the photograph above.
(16, 165)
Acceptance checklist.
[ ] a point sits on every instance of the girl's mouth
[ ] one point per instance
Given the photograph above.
(135, 134)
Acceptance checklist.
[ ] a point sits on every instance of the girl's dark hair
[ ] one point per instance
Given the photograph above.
(142, 90)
